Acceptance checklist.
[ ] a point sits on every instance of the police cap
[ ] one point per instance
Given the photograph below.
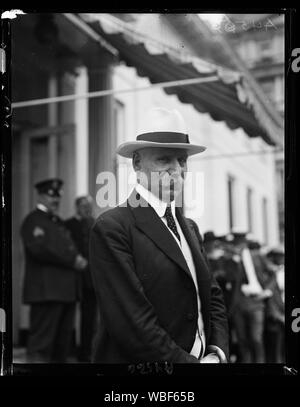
(51, 187)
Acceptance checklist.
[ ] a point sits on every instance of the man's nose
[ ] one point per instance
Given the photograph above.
(174, 167)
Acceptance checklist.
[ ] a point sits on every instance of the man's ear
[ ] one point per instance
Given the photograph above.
(136, 161)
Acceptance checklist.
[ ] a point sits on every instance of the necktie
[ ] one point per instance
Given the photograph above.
(171, 222)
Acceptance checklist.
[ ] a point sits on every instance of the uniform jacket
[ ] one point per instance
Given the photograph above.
(80, 232)
(49, 255)
(147, 298)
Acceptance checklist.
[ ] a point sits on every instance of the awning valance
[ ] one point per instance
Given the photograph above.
(228, 98)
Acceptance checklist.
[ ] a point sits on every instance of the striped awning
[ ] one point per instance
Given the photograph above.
(227, 98)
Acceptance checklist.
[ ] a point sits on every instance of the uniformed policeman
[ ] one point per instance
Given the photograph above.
(50, 284)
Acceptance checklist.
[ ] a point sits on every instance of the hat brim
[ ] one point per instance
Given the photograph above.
(52, 194)
(128, 148)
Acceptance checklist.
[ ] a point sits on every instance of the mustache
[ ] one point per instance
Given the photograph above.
(173, 176)
(170, 181)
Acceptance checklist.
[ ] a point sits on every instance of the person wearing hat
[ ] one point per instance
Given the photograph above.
(50, 283)
(254, 282)
(215, 256)
(158, 300)
(220, 254)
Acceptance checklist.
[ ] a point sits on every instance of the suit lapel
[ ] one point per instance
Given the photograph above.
(149, 223)
(202, 271)
(200, 264)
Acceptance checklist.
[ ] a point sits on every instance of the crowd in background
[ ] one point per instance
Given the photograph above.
(58, 276)
(252, 280)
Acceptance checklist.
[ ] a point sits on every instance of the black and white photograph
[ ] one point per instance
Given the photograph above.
(148, 189)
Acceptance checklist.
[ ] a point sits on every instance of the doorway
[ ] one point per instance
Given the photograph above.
(37, 154)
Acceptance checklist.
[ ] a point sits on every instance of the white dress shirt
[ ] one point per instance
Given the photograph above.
(253, 285)
(42, 207)
(159, 206)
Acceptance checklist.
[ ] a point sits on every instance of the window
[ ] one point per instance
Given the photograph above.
(265, 49)
(249, 210)
(230, 187)
(265, 221)
(265, 45)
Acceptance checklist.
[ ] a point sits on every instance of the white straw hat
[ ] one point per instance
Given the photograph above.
(161, 128)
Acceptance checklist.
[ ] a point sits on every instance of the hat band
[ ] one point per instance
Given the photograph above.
(164, 137)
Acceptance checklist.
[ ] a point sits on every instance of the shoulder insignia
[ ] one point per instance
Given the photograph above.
(37, 231)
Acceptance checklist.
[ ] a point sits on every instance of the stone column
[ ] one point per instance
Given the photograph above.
(100, 115)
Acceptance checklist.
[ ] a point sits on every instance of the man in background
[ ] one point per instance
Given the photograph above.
(216, 258)
(275, 318)
(220, 255)
(79, 226)
(249, 316)
(50, 284)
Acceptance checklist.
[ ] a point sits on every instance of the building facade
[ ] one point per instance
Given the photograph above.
(260, 42)
(233, 192)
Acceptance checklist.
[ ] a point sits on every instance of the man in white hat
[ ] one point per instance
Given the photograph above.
(157, 298)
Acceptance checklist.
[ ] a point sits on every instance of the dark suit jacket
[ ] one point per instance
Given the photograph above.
(264, 277)
(147, 298)
(274, 304)
(80, 233)
(49, 255)
(234, 275)
(222, 271)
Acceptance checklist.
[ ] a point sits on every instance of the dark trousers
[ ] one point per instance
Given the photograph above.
(88, 311)
(274, 342)
(51, 326)
(249, 328)
(233, 345)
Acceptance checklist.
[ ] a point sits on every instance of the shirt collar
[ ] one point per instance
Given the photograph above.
(158, 205)
(42, 207)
